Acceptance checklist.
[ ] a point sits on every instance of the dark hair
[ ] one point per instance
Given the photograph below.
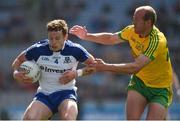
(150, 15)
(58, 25)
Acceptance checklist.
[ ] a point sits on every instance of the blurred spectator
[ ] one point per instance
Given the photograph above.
(2, 79)
(102, 22)
(163, 21)
(4, 114)
(176, 86)
(175, 17)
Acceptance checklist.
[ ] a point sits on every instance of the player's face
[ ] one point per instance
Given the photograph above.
(56, 40)
(139, 23)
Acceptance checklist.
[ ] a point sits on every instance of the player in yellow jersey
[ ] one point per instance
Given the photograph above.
(151, 70)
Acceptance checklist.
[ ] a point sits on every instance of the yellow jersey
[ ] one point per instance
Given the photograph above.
(158, 73)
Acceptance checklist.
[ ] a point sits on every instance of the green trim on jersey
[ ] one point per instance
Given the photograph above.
(154, 41)
(119, 34)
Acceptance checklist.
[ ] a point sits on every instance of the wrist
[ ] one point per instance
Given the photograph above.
(15, 72)
(16, 77)
(79, 72)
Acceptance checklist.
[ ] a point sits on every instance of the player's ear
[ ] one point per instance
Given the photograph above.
(149, 22)
(66, 37)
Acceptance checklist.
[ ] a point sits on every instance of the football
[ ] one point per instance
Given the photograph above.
(32, 69)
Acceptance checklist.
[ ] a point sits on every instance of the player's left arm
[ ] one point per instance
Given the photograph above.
(72, 74)
(124, 68)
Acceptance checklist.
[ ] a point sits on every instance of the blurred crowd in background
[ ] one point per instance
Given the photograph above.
(23, 22)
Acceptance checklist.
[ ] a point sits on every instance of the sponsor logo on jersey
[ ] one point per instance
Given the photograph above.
(56, 57)
(67, 60)
(51, 70)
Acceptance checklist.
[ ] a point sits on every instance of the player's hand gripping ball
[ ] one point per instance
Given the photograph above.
(32, 70)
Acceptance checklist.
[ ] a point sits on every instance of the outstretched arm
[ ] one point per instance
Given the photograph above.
(102, 38)
(124, 68)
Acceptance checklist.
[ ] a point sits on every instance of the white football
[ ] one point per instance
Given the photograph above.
(32, 69)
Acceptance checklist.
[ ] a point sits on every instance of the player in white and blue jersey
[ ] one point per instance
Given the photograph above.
(58, 59)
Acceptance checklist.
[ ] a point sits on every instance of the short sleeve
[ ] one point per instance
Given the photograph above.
(30, 52)
(125, 33)
(83, 54)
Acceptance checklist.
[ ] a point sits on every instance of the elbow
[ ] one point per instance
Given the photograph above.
(111, 40)
(13, 66)
(135, 70)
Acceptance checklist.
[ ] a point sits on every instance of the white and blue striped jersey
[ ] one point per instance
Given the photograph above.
(54, 64)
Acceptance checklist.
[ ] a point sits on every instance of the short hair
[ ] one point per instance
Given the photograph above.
(58, 25)
(150, 13)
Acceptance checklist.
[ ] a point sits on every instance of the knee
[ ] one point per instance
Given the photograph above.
(31, 116)
(69, 115)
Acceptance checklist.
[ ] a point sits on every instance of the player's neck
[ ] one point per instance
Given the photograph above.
(146, 32)
(55, 49)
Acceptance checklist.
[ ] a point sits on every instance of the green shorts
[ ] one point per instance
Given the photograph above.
(162, 96)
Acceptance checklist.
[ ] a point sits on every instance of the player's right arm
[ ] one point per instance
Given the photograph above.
(102, 38)
(72, 74)
(19, 59)
(19, 75)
